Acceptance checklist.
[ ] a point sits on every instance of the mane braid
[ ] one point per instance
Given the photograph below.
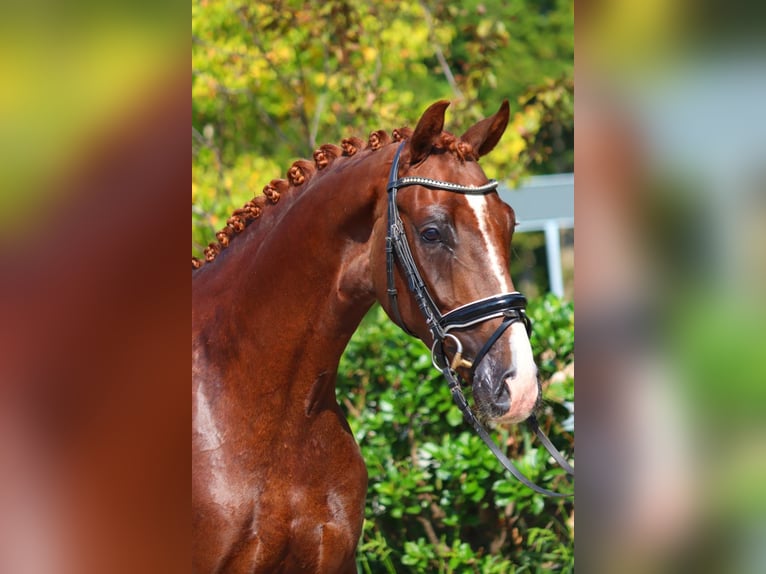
(300, 173)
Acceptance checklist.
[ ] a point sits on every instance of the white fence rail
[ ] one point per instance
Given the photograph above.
(545, 203)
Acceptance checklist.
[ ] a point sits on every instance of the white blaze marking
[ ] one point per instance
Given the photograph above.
(523, 385)
(478, 203)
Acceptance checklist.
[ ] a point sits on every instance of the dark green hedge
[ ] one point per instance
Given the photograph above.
(438, 500)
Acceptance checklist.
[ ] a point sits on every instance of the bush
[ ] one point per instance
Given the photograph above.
(438, 500)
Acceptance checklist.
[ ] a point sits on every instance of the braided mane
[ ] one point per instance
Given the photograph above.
(302, 171)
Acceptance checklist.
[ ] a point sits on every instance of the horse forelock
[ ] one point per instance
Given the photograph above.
(303, 171)
(462, 149)
(446, 142)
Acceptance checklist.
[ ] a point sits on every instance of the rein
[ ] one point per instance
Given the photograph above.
(510, 306)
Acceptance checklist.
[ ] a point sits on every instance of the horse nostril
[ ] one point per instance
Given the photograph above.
(502, 396)
(509, 374)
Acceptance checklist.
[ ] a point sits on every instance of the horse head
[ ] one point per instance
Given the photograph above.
(445, 277)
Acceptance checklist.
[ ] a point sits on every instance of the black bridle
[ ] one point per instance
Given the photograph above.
(511, 307)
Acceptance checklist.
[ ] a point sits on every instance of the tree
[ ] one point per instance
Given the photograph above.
(273, 80)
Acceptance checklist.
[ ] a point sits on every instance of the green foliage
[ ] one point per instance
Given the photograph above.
(438, 500)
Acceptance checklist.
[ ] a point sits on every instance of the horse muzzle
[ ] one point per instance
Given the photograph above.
(505, 383)
(502, 370)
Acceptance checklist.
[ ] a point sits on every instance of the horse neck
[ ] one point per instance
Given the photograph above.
(287, 296)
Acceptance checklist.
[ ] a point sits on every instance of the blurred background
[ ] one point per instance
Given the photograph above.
(671, 248)
(70, 72)
(94, 301)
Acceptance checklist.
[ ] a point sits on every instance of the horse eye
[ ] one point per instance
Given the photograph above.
(431, 235)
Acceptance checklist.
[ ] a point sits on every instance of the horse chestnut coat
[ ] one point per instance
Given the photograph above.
(278, 482)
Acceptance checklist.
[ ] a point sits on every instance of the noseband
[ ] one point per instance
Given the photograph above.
(511, 307)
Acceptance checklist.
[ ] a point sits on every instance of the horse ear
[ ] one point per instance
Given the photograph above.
(484, 135)
(429, 126)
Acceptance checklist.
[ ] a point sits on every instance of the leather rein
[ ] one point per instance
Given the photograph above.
(511, 307)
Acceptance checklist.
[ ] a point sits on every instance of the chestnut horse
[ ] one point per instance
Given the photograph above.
(278, 480)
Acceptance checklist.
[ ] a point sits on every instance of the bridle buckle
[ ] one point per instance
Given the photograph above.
(457, 358)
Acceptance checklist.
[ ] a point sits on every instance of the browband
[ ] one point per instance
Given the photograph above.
(488, 187)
